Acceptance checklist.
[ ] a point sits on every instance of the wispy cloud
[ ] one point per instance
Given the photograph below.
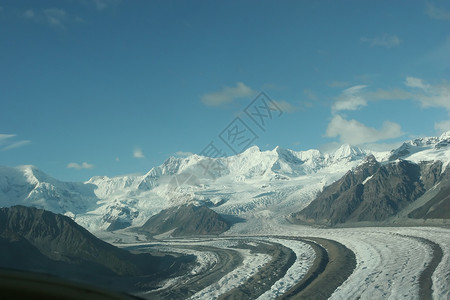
(386, 40)
(430, 95)
(5, 137)
(395, 94)
(338, 84)
(227, 95)
(137, 153)
(350, 99)
(415, 89)
(437, 13)
(285, 106)
(183, 154)
(105, 4)
(7, 142)
(16, 145)
(29, 14)
(55, 17)
(442, 126)
(77, 166)
(416, 83)
(309, 94)
(356, 133)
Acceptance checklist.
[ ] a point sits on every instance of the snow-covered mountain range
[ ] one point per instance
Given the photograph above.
(252, 184)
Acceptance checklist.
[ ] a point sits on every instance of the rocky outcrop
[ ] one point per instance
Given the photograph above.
(186, 220)
(374, 192)
(438, 207)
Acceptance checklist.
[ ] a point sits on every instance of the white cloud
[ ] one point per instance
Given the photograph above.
(442, 126)
(416, 83)
(5, 137)
(83, 165)
(355, 133)
(350, 99)
(386, 40)
(16, 145)
(437, 13)
(137, 153)
(431, 95)
(227, 95)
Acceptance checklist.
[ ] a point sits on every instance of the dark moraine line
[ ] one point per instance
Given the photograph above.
(228, 260)
(282, 259)
(333, 264)
(425, 281)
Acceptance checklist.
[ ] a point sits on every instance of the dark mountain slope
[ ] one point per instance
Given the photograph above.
(374, 192)
(38, 240)
(186, 220)
(437, 208)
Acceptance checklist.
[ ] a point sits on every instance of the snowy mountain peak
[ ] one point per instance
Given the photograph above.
(419, 145)
(288, 156)
(445, 135)
(347, 151)
(251, 150)
(369, 159)
(35, 175)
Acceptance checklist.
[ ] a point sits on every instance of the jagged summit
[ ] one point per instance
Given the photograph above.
(349, 152)
(288, 156)
(426, 148)
(445, 135)
(252, 149)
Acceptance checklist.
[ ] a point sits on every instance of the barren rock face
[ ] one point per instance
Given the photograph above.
(186, 220)
(374, 192)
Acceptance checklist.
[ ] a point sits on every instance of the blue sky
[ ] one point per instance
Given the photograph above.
(110, 87)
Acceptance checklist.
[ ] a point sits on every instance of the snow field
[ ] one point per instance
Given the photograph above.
(388, 266)
(441, 276)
